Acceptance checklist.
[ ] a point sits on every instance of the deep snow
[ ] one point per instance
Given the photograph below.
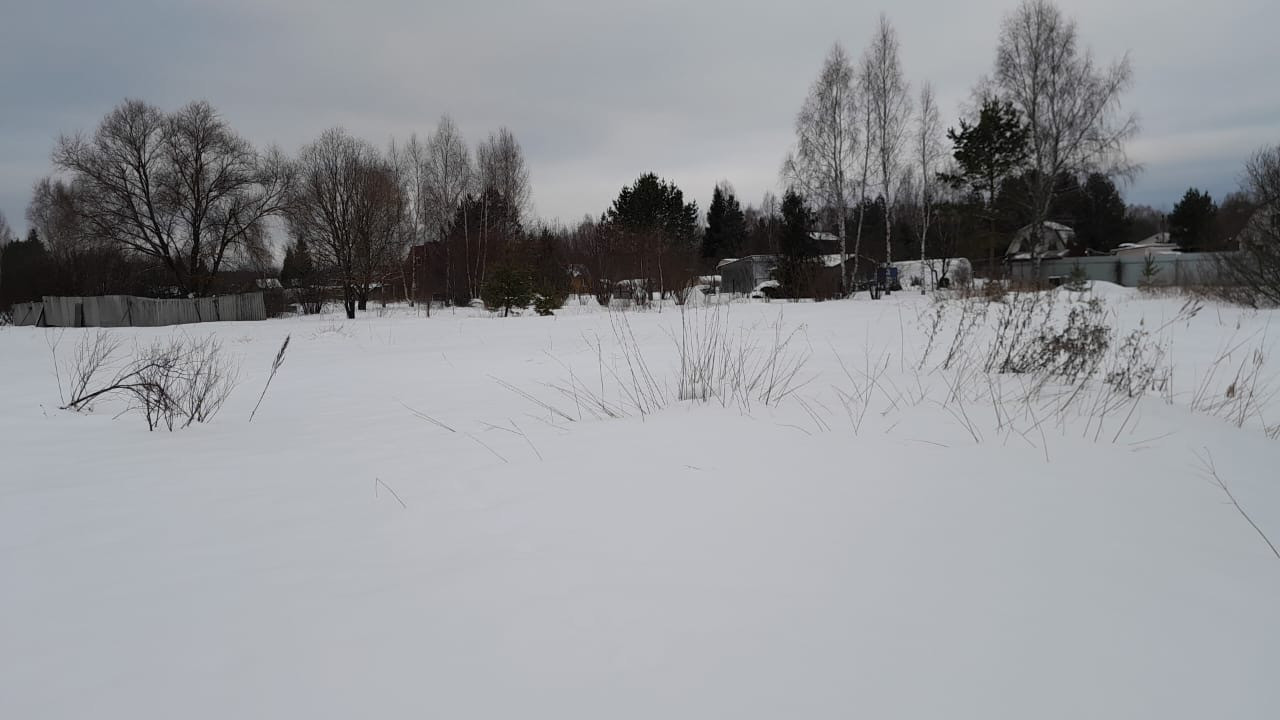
(341, 557)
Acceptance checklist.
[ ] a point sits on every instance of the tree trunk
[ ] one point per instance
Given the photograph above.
(349, 302)
(844, 254)
(888, 244)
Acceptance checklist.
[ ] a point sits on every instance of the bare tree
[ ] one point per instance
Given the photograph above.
(827, 145)
(182, 188)
(867, 117)
(503, 194)
(1252, 275)
(347, 205)
(449, 175)
(890, 101)
(409, 162)
(52, 212)
(1075, 121)
(502, 168)
(6, 233)
(381, 231)
(928, 151)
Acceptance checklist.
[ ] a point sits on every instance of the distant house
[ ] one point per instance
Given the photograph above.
(752, 273)
(1158, 244)
(1050, 241)
(826, 243)
(744, 275)
(635, 290)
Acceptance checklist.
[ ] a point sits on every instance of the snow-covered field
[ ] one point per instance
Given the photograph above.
(437, 518)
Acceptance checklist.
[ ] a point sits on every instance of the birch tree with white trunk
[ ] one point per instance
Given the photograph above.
(890, 101)
(449, 175)
(825, 158)
(928, 158)
(502, 168)
(1076, 123)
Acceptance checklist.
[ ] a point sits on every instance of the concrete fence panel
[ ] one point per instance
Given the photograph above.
(128, 311)
(106, 311)
(63, 312)
(28, 313)
(1130, 271)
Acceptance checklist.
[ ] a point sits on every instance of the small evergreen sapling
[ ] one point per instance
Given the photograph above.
(1078, 280)
(507, 288)
(1150, 272)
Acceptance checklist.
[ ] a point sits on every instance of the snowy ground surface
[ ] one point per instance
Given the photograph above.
(868, 545)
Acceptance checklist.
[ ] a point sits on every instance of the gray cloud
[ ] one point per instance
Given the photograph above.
(598, 92)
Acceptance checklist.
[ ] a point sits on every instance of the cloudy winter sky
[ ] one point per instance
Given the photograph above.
(598, 92)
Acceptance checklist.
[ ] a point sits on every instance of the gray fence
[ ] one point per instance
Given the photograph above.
(1164, 270)
(129, 311)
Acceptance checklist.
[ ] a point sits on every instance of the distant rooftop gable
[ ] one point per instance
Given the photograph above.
(1054, 241)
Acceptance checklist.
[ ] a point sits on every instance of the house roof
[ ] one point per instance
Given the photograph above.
(1054, 239)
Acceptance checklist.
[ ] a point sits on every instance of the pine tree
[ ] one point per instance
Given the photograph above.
(651, 205)
(507, 287)
(1192, 221)
(24, 270)
(1098, 214)
(652, 226)
(989, 153)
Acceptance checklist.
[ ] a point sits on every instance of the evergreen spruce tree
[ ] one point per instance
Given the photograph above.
(797, 255)
(297, 269)
(1099, 213)
(712, 239)
(734, 229)
(24, 271)
(726, 231)
(286, 267)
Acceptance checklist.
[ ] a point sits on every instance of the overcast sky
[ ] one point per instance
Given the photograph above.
(599, 92)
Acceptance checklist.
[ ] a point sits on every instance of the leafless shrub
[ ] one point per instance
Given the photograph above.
(1071, 352)
(1251, 276)
(972, 313)
(172, 383)
(94, 354)
(1138, 366)
(740, 367)
(715, 362)
(1017, 322)
(681, 295)
(932, 325)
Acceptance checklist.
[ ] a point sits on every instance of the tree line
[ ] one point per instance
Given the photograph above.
(177, 203)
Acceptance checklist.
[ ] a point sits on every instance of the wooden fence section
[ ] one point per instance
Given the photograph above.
(129, 311)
